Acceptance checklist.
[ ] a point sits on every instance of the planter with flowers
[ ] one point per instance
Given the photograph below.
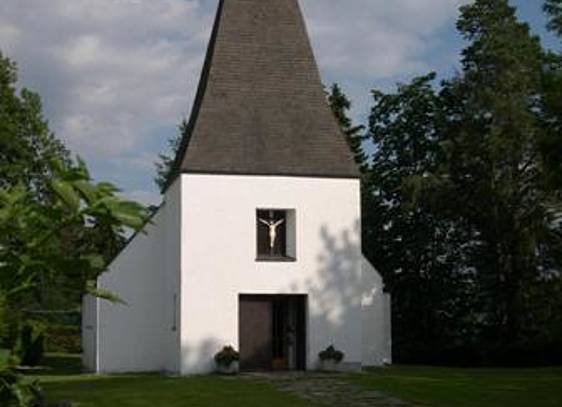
(228, 361)
(330, 359)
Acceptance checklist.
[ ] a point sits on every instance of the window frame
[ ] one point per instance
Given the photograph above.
(289, 235)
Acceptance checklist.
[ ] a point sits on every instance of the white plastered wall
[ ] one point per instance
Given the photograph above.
(143, 335)
(377, 329)
(219, 261)
(90, 333)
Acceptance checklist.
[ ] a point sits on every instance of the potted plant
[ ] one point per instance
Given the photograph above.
(330, 359)
(228, 360)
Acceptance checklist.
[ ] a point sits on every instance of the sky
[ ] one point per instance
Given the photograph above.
(117, 76)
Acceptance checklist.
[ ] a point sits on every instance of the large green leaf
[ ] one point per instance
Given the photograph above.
(104, 294)
(107, 188)
(131, 214)
(95, 261)
(87, 190)
(66, 193)
(5, 356)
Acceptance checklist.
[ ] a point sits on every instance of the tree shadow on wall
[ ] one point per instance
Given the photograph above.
(338, 289)
(336, 296)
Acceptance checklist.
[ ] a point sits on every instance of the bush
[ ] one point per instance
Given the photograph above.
(31, 344)
(331, 354)
(40, 401)
(227, 356)
(17, 391)
(5, 358)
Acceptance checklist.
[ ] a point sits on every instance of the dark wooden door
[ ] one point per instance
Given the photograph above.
(255, 334)
(301, 304)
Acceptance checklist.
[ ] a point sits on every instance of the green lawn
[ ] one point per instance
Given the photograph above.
(63, 383)
(423, 386)
(444, 387)
(160, 391)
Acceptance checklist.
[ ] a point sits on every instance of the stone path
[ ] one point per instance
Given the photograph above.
(331, 390)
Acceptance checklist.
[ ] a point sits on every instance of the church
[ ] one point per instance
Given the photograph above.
(257, 244)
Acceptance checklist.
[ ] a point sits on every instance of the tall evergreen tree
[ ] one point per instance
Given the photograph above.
(554, 10)
(492, 177)
(341, 106)
(413, 249)
(165, 164)
(552, 100)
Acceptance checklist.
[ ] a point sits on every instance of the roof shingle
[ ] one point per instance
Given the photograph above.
(260, 108)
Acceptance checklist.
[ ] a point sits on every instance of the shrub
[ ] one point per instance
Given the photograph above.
(31, 346)
(15, 389)
(227, 356)
(331, 354)
(5, 358)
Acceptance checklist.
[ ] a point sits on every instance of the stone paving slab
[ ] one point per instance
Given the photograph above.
(328, 389)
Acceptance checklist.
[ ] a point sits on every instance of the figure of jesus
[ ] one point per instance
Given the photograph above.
(272, 225)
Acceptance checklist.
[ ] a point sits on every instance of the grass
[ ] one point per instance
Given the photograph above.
(423, 386)
(446, 387)
(61, 381)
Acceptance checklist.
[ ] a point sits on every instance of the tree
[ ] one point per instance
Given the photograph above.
(341, 106)
(551, 148)
(552, 100)
(463, 216)
(492, 175)
(165, 166)
(43, 242)
(553, 8)
(28, 150)
(551, 118)
(27, 146)
(58, 228)
(35, 236)
(414, 249)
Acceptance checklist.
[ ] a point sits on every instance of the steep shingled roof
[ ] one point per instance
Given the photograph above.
(260, 108)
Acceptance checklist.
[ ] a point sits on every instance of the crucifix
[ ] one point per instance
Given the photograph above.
(272, 225)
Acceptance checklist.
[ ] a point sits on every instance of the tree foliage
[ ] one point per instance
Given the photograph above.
(40, 185)
(35, 236)
(354, 135)
(417, 251)
(464, 213)
(553, 8)
(58, 229)
(27, 146)
(165, 164)
(492, 173)
(552, 100)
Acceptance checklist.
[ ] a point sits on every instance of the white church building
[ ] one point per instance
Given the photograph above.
(257, 243)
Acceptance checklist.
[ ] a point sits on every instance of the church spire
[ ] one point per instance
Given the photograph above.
(260, 108)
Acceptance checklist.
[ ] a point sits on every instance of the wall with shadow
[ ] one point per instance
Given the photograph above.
(347, 301)
(177, 321)
(376, 318)
(141, 334)
(335, 296)
(347, 308)
(219, 262)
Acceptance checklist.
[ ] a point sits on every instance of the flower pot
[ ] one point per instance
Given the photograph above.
(231, 369)
(330, 365)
